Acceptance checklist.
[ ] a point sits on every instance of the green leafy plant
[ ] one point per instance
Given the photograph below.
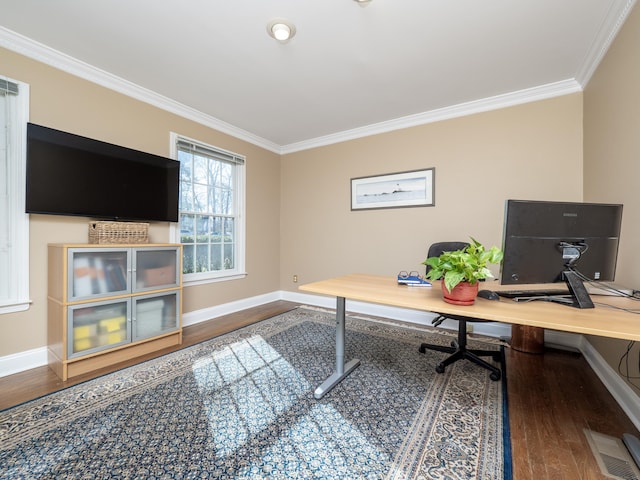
(466, 265)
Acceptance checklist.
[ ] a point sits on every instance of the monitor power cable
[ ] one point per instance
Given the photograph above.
(625, 372)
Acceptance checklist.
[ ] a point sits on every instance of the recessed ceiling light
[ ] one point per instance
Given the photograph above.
(280, 29)
(362, 3)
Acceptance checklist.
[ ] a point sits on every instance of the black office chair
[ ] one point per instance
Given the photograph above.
(458, 349)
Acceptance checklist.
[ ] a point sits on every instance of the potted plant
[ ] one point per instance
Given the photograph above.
(460, 271)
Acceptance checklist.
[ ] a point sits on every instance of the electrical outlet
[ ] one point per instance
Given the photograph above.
(295, 279)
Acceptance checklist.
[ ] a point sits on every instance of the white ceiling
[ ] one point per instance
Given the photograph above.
(349, 71)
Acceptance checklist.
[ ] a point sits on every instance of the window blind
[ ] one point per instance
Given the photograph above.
(199, 149)
(14, 223)
(8, 88)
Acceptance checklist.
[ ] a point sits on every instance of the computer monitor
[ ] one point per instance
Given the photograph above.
(546, 242)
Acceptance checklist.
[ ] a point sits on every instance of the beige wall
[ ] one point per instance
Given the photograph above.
(532, 151)
(65, 102)
(612, 157)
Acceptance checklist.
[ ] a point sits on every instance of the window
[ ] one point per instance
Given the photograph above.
(211, 211)
(14, 223)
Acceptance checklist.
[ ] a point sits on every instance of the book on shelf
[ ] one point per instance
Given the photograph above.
(81, 277)
(115, 275)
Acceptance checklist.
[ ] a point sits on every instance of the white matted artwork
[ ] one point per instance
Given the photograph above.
(394, 190)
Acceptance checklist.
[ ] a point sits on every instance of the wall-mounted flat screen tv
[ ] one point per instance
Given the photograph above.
(72, 175)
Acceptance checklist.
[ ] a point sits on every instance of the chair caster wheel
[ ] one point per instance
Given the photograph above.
(422, 349)
(454, 344)
(495, 376)
(440, 368)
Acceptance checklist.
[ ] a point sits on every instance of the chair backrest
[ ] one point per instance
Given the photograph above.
(437, 248)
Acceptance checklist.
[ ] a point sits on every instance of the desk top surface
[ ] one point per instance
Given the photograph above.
(610, 318)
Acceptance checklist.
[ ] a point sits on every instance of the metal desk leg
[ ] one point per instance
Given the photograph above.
(342, 370)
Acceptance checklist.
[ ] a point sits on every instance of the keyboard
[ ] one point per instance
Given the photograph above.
(532, 293)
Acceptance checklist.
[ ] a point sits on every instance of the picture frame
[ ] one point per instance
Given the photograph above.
(415, 188)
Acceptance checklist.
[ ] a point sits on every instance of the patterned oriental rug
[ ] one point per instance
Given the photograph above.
(242, 406)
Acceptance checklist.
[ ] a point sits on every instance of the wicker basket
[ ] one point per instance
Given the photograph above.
(118, 232)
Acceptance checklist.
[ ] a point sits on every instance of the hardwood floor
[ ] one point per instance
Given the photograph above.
(553, 397)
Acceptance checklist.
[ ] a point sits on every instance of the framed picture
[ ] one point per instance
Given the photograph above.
(394, 190)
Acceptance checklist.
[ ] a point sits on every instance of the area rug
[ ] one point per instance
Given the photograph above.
(242, 406)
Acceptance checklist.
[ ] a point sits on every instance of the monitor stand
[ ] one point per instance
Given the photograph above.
(578, 291)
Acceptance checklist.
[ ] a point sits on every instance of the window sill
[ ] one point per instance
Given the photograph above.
(192, 279)
(18, 306)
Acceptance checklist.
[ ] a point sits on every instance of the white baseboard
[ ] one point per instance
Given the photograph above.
(626, 397)
(191, 318)
(492, 329)
(623, 394)
(21, 361)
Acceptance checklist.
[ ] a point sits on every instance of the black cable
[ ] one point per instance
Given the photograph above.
(625, 357)
(603, 285)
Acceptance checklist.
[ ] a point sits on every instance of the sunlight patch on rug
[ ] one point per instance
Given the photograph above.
(244, 387)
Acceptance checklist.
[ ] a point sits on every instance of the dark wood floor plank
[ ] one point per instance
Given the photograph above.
(559, 395)
(553, 397)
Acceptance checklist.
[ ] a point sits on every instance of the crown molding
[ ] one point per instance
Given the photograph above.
(41, 53)
(616, 16)
(519, 97)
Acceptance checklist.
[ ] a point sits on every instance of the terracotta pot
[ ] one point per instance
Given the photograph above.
(462, 294)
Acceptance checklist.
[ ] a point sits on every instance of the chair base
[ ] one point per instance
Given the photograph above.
(458, 351)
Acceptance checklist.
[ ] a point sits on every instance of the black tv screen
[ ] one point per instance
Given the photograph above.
(69, 174)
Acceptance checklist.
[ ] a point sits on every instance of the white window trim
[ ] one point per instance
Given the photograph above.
(240, 198)
(20, 220)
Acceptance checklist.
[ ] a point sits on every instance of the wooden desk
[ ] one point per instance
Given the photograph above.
(603, 321)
